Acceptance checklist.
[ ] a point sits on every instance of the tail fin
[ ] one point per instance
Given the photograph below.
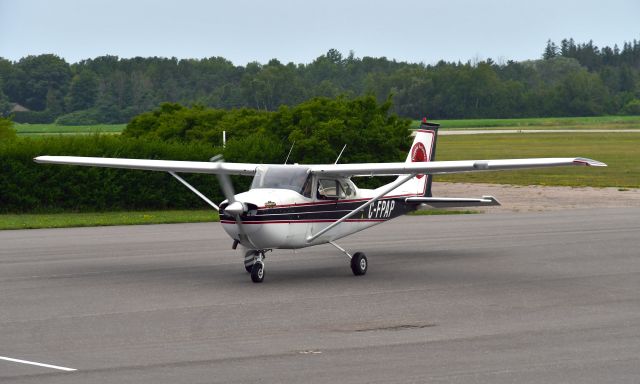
(422, 149)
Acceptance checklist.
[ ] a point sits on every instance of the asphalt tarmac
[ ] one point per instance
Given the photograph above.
(520, 297)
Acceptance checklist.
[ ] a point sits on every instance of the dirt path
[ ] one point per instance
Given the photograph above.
(537, 198)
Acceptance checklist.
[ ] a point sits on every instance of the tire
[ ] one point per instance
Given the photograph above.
(359, 264)
(257, 272)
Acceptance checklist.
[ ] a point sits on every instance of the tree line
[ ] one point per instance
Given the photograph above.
(568, 80)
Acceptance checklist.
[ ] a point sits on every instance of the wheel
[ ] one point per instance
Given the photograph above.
(359, 264)
(257, 272)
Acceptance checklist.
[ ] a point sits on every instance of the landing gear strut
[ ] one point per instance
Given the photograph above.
(359, 263)
(249, 259)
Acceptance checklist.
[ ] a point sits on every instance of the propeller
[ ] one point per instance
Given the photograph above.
(234, 207)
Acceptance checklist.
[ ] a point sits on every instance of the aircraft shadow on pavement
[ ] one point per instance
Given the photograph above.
(397, 266)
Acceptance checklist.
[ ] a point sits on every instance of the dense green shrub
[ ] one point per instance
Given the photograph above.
(632, 107)
(319, 127)
(34, 117)
(6, 130)
(85, 117)
(29, 187)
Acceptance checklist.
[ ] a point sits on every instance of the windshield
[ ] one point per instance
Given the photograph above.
(281, 177)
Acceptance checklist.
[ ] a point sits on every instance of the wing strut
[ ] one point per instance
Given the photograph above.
(389, 188)
(194, 190)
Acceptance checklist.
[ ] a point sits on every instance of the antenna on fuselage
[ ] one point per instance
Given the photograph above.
(345, 146)
(289, 154)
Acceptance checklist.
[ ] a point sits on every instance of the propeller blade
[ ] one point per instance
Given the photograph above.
(234, 208)
(225, 181)
(227, 187)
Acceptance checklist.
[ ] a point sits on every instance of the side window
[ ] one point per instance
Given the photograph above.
(347, 192)
(306, 189)
(333, 189)
(328, 189)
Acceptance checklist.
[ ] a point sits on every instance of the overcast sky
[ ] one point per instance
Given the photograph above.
(299, 31)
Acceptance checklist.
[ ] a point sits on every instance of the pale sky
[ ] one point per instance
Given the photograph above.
(299, 31)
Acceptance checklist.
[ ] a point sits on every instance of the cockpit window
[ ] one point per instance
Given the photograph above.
(281, 177)
(331, 189)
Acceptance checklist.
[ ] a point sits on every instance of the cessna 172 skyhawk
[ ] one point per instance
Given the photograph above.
(295, 206)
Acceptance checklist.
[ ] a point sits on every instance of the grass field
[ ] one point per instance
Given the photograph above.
(596, 122)
(94, 219)
(54, 129)
(621, 151)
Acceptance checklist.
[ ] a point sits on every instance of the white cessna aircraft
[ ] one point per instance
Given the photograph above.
(295, 206)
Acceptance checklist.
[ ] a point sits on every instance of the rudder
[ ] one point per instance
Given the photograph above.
(423, 149)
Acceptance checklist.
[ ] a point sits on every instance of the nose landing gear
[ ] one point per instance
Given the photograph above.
(254, 264)
(249, 259)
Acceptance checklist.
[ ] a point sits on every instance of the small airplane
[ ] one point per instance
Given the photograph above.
(291, 206)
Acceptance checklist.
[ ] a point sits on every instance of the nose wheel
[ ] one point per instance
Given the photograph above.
(254, 264)
(257, 272)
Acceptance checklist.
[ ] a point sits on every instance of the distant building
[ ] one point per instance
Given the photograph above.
(15, 107)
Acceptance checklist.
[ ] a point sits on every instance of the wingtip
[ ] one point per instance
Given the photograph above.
(588, 162)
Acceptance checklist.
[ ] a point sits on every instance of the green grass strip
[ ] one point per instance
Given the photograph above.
(592, 122)
(64, 220)
(54, 129)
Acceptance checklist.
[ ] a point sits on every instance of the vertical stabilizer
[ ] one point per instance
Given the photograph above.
(423, 149)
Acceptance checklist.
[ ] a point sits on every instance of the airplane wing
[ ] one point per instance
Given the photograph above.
(442, 167)
(246, 169)
(361, 169)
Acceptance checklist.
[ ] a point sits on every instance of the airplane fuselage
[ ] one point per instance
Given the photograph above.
(285, 219)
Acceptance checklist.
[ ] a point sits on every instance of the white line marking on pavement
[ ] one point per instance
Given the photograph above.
(38, 364)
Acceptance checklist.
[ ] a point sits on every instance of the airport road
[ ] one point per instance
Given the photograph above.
(525, 130)
(518, 297)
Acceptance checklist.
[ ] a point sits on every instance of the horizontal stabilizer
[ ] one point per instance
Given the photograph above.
(453, 202)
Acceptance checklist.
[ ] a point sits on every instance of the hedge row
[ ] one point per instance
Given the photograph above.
(319, 128)
(29, 187)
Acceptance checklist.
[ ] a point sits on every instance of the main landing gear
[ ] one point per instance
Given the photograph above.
(359, 263)
(254, 262)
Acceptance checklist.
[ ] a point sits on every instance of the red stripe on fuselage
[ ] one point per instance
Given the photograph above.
(303, 221)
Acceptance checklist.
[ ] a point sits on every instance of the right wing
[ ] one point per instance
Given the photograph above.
(246, 169)
(443, 167)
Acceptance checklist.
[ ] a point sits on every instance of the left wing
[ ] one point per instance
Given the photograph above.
(246, 169)
(442, 167)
